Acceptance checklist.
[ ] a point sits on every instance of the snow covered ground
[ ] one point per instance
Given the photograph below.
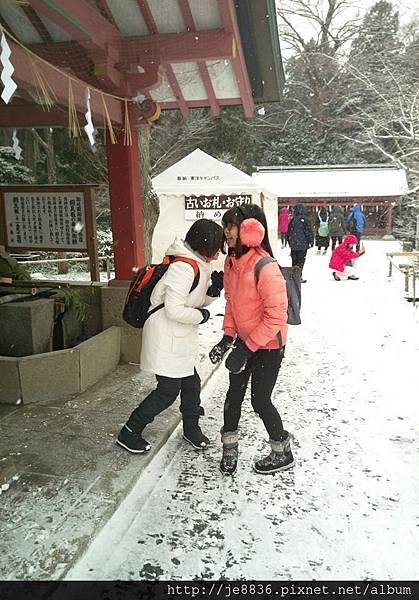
(348, 392)
(70, 276)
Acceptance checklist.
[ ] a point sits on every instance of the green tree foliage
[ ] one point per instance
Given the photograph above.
(11, 170)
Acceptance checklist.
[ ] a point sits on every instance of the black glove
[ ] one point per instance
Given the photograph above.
(217, 279)
(237, 359)
(217, 353)
(205, 315)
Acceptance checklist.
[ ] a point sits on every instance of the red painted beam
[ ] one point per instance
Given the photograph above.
(212, 98)
(141, 82)
(187, 16)
(94, 68)
(183, 107)
(31, 115)
(229, 19)
(162, 48)
(6, 25)
(106, 12)
(188, 19)
(67, 55)
(89, 28)
(176, 47)
(80, 20)
(23, 75)
(147, 16)
(200, 103)
(38, 24)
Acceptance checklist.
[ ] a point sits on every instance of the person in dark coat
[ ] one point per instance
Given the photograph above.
(356, 223)
(322, 235)
(337, 227)
(299, 236)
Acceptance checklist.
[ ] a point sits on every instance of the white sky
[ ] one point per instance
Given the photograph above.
(407, 10)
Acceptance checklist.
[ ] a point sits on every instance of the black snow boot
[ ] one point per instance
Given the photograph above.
(280, 458)
(192, 432)
(130, 436)
(230, 440)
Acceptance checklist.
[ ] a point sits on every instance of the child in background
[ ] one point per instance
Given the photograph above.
(299, 237)
(283, 222)
(322, 237)
(342, 255)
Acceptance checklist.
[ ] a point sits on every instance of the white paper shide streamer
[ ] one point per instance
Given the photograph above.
(7, 72)
(89, 128)
(16, 146)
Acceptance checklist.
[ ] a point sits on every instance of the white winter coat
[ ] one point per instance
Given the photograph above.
(170, 335)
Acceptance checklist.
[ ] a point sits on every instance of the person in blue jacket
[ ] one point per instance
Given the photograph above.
(356, 223)
(299, 236)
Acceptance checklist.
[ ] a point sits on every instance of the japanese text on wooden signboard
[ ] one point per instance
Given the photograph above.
(45, 220)
(212, 207)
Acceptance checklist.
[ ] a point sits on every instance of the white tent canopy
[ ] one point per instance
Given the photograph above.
(323, 182)
(200, 174)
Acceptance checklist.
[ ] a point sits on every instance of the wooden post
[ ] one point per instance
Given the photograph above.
(126, 204)
(389, 219)
(406, 280)
(90, 216)
(2, 221)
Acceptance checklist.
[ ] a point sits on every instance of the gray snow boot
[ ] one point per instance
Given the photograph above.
(230, 440)
(280, 458)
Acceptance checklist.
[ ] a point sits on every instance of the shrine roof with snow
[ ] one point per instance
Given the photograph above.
(333, 181)
(179, 53)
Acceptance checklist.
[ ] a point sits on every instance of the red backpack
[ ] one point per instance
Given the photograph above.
(137, 302)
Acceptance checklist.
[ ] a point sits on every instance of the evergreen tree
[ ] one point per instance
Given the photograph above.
(11, 171)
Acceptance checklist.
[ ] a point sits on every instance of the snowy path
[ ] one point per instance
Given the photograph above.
(348, 392)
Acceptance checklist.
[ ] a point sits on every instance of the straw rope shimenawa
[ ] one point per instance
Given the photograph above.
(73, 120)
(127, 128)
(47, 95)
(108, 123)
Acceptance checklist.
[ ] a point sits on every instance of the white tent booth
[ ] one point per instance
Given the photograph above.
(200, 186)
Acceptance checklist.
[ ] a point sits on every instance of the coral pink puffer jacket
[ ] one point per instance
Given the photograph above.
(256, 311)
(283, 220)
(342, 255)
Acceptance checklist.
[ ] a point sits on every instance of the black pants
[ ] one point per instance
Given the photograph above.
(165, 394)
(263, 367)
(358, 237)
(335, 239)
(284, 239)
(298, 258)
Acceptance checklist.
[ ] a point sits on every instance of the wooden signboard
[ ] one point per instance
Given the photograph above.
(55, 218)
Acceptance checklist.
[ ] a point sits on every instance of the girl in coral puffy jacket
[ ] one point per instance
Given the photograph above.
(255, 327)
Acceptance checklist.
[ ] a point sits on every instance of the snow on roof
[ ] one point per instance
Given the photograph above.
(200, 173)
(314, 182)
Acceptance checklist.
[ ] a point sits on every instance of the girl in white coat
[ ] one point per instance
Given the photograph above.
(170, 336)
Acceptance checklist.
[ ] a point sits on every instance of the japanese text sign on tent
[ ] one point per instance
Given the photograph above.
(212, 207)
